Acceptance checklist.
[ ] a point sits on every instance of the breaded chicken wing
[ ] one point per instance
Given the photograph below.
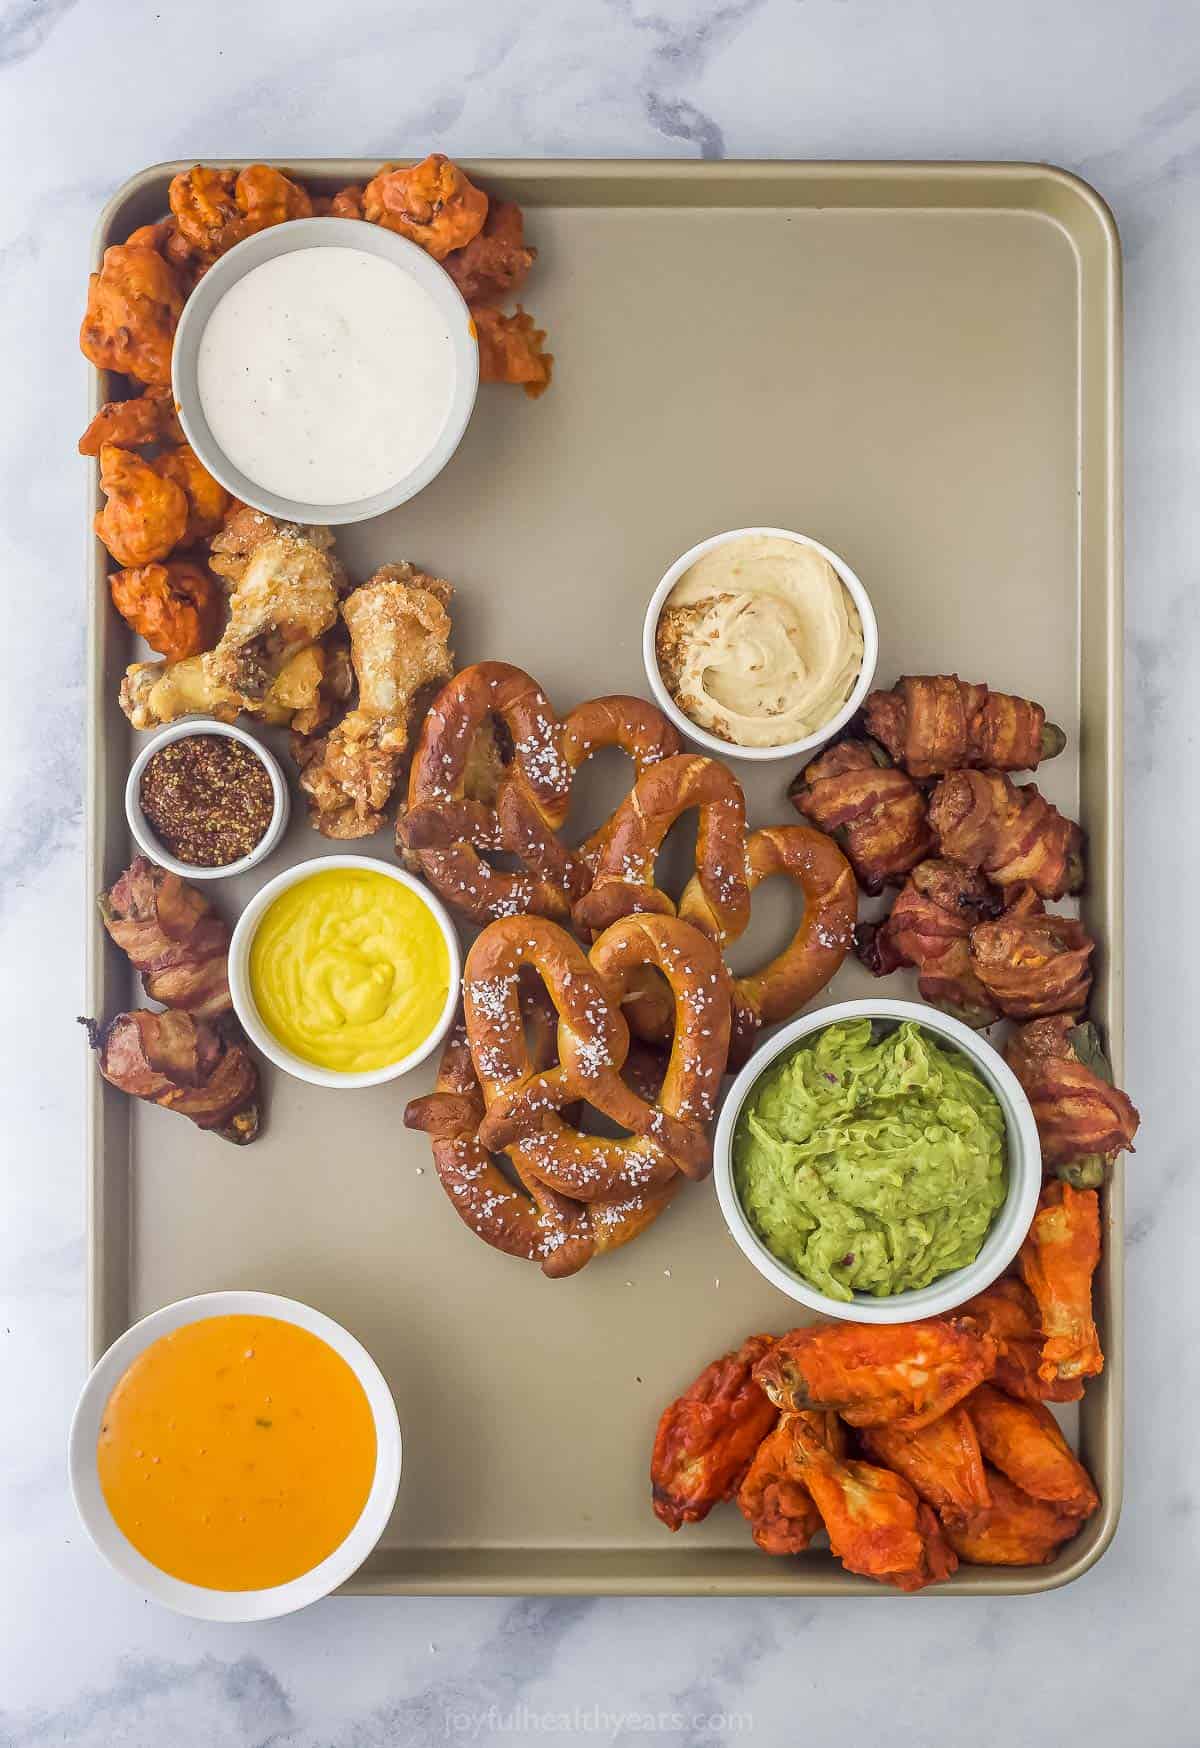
(399, 645)
(1014, 1530)
(773, 1498)
(148, 418)
(942, 1461)
(707, 1438)
(133, 308)
(216, 209)
(1024, 1441)
(511, 349)
(176, 606)
(495, 262)
(899, 1374)
(1058, 1260)
(268, 661)
(877, 1526)
(207, 501)
(146, 514)
(432, 203)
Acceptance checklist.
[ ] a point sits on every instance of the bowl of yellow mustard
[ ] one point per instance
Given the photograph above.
(345, 972)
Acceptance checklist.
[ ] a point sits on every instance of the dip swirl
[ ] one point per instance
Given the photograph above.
(871, 1166)
(760, 642)
(349, 970)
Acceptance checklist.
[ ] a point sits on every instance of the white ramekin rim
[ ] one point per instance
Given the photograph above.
(243, 1000)
(1007, 1231)
(285, 239)
(195, 1599)
(144, 834)
(729, 749)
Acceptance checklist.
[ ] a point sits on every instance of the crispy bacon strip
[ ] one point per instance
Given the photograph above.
(875, 812)
(985, 820)
(930, 926)
(1083, 1120)
(934, 723)
(185, 1065)
(173, 936)
(1033, 963)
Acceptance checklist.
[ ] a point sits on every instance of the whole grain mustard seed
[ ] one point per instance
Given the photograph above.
(207, 798)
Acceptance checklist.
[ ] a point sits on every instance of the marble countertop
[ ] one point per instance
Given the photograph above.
(87, 94)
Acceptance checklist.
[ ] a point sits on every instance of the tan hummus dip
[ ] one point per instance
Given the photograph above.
(760, 642)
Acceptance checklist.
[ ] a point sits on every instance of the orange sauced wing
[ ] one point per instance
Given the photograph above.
(1024, 1441)
(903, 1374)
(147, 418)
(877, 1526)
(1015, 1530)
(1058, 1260)
(510, 350)
(706, 1439)
(494, 264)
(773, 1498)
(207, 501)
(433, 203)
(942, 1461)
(1009, 1313)
(133, 307)
(176, 606)
(145, 515)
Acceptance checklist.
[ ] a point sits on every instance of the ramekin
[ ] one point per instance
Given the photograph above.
(1008, 1229)
(323, 233)
(196, 1599)
(727, 749)
(143, 832)
(243, 999)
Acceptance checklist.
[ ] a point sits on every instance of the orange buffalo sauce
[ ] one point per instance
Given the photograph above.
(237, 1452)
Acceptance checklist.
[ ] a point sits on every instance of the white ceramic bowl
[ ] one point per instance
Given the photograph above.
(323, 233)
(726, 749)
(143, 831)
(243, 999)
(1007, 1230)
(197, 1599)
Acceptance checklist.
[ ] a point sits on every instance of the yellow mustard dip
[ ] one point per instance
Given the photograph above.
(349, 970)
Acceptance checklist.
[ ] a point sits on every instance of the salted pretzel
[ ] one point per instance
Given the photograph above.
(464, 800)
(524, 1218)
(525, 1104)
(730, 864)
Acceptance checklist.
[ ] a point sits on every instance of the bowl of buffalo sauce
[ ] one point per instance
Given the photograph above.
(236, 1455)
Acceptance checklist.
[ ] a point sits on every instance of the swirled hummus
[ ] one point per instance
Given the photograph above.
(760, 642)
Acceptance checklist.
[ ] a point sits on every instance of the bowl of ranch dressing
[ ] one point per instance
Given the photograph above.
(325, 370)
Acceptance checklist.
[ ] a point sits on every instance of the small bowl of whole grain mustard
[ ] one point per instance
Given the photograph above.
(760, 644)
(205, 800)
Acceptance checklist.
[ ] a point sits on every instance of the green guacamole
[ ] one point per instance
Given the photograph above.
(871, 1164)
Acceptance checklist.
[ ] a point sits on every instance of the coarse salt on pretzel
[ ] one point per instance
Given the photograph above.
(729, 866)
(525, 1104)
(461, 803)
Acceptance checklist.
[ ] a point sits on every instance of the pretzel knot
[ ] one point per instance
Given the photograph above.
(465, 797)
(525, 1103)
(730, 864)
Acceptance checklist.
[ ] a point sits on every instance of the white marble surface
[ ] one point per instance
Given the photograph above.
(87, 93)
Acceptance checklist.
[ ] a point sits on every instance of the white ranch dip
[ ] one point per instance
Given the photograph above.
(326, 375)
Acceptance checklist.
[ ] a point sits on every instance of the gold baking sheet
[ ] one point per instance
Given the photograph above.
(920, 365)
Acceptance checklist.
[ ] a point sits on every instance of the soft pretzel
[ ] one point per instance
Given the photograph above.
(729, 865)
(525, 1103)
(787, 982)
(461, 803)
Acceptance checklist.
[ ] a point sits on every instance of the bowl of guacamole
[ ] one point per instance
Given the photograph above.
(878, 1161)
